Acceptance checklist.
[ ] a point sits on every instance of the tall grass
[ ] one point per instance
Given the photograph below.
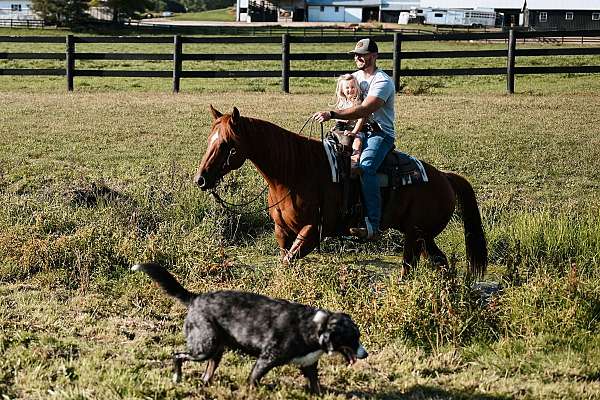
(222, 14)
(545, 239)
(91, 183)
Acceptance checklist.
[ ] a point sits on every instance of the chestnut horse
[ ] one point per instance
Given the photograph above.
(303, 200)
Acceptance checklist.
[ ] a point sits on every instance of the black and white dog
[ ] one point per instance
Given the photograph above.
(277, 332)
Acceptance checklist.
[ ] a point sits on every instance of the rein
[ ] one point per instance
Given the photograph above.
(310, 119)
(229, 206)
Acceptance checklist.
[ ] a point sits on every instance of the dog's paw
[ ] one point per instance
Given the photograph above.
(176, 377)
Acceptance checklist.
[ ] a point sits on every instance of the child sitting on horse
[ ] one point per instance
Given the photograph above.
(348, 94)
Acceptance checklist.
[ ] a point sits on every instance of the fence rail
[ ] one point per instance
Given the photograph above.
(22, 23)
(286, 56)
(276, 29)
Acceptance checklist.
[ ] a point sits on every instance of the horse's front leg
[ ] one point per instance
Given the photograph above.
(284, 240)
(306, 240)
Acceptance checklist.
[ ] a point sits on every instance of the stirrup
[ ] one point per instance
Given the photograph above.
(367, 233)
(362, 233)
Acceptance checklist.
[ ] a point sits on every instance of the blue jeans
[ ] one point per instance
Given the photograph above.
(376, 147)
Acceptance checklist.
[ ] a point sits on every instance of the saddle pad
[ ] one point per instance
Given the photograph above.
(402, 169)
(329, 146)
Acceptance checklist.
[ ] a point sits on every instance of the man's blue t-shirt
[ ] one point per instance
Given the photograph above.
(382, 86)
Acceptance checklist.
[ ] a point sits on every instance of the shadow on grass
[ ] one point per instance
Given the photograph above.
(421, 392)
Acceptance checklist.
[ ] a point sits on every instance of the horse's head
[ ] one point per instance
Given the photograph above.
(224, 152)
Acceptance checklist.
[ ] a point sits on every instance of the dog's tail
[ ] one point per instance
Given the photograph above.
(166, 281)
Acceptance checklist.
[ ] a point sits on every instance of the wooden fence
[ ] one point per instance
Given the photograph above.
(178, 57)
(22, 23)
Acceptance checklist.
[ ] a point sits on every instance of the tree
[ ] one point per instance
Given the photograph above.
(205, 5)
(62, 12)
(126, 8)
(175, 6)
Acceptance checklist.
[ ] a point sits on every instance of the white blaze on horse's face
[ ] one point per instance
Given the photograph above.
(212, 164)
(221, 157)
(214, 138)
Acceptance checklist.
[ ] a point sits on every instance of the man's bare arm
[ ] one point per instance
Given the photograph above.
(363, 110)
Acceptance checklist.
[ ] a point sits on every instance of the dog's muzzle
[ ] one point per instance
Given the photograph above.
(351, 356)
(361, 353)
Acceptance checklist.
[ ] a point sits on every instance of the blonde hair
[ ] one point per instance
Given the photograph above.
(340, 98)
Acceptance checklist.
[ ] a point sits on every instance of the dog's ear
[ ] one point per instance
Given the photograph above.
(321, 319)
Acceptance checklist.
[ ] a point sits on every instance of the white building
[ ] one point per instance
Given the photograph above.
(16, 9)
(507, 4)
(472, 4)
(510, 12)
(342, 10)
(545, 14)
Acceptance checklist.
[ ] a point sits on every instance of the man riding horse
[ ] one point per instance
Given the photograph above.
(378, 93)
(304, 203)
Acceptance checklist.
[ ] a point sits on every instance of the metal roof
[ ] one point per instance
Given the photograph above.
(515, 4)
(399, 4)
(563, 4)
(345, 3)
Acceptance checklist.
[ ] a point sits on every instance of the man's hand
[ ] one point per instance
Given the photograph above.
(322, 116)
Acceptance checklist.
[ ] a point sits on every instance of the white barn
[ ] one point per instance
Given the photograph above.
(510, 12)
(390, 10)
(472, 4)
(16, 9)
(342, 10)
(520, 4)
(545, 14)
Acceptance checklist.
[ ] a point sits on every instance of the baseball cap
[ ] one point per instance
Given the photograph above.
(364, 46)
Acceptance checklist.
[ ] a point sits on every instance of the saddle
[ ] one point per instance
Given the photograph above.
(398, 169)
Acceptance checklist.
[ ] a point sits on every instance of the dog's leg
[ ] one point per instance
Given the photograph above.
(177, 362)
(311, 373)
(178, 359)
(260, 369)
(211, 367)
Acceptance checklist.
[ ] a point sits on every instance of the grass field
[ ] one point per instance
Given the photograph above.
(96, 180)
(223, 14)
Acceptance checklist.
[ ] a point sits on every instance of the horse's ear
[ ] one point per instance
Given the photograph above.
(235, 115)
(215, 114)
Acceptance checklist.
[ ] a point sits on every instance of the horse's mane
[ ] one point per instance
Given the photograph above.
(285, 149)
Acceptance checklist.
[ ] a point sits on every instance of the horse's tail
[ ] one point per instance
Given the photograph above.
(477, 253)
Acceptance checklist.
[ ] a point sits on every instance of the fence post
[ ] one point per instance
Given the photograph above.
(510, 62)
(397, 60)
(285, 63)
(176, 63)
(70, 62)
